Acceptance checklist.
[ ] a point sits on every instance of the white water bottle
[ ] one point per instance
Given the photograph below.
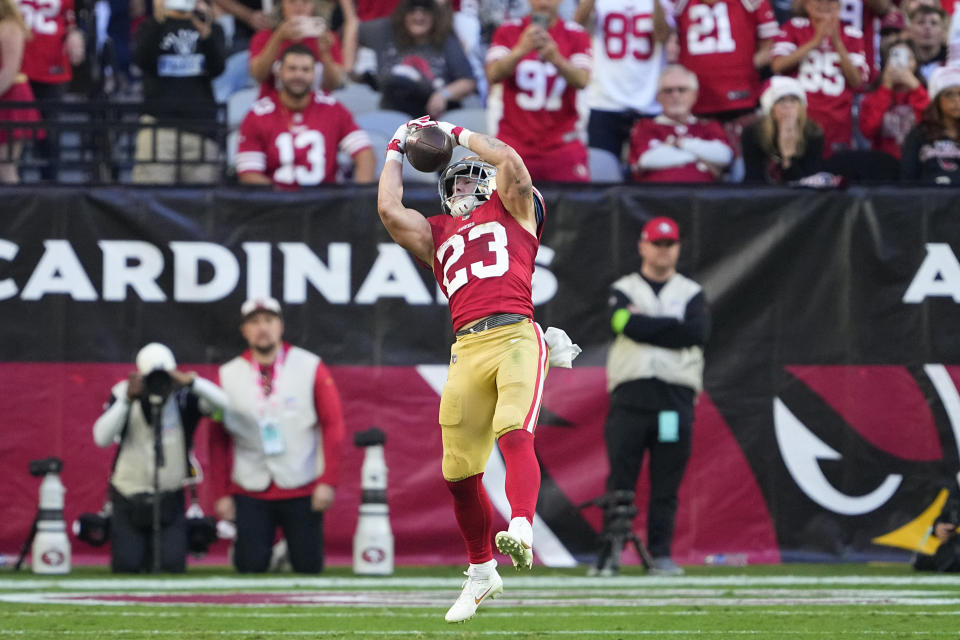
(50, 553)
(373, 539)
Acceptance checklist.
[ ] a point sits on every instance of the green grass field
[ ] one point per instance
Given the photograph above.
(835, 602)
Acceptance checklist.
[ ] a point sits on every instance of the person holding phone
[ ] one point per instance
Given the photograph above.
(180, 50)
(896, 103)
(299, 23)
(541, 62)
(660, 324)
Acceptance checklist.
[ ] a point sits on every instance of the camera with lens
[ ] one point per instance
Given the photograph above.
(40, 468)
(93, 528)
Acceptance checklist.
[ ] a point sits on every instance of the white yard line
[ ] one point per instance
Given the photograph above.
(540, 633)
(263, 583)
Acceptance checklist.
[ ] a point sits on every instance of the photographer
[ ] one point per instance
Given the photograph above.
(947, 556)
(178, 399)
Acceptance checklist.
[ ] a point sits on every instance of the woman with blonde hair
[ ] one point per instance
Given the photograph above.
(827, 57)
(13, 88)
(783, 145)
(301, 21)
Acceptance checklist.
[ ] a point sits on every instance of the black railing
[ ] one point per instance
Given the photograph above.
(96, 142)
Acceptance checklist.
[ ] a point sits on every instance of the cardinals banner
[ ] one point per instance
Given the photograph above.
(828, 428)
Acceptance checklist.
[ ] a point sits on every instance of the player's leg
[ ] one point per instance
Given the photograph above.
(521, 375)
(668, 460)
(466, 410)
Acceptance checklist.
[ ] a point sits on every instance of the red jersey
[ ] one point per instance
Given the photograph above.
(860, 16)
(269, 86)
(717, 42)
(484, 261)
(887, 117)
(654, 158)
(539, 108)
(829, 99)
(44, 56)
(297, 148)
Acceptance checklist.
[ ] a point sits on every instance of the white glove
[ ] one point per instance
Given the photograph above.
(398, 144)
(460, 134)
(562, 350)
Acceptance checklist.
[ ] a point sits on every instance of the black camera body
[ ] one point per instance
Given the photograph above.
(92, 528)
(40, 468)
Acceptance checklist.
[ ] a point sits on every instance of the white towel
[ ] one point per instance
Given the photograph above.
(562, 349)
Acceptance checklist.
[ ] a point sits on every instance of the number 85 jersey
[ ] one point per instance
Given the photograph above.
(484, 261)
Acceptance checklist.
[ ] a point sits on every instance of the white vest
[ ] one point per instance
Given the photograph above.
(134, 470)
(630, 360)
(290, 407)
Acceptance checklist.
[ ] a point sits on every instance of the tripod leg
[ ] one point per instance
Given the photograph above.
(26, 545)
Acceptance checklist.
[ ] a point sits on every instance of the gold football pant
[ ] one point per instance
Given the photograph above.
(494, 386)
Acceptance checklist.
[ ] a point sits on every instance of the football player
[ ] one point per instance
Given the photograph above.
(482, 253)
(291, 139)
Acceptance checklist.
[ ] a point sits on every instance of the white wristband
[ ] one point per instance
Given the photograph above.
(464, 138)
(396, 156)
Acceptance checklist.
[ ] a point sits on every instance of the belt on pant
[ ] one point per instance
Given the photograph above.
(496, 320)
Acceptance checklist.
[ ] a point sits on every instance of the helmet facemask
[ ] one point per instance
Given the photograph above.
(464, 185)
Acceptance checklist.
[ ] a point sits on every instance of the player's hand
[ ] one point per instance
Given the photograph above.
(322, 497)
(399, 141)
(225, 508)
(420, 123)
(943, 531)
(135, 386)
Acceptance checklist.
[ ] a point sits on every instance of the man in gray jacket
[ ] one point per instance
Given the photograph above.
(654, 373)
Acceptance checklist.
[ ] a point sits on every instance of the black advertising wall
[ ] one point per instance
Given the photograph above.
(830, 417)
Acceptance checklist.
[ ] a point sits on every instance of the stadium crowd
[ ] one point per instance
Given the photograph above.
(592, 90)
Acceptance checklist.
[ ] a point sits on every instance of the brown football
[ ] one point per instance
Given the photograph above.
(429, 149)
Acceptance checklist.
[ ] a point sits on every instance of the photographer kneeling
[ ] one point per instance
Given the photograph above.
(947, 556)
(157, 395)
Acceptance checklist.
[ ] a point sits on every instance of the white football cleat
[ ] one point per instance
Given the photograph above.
(517, 542)
(476, 589)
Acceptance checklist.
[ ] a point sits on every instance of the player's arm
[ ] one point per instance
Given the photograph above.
(407, 227)
(514, 184)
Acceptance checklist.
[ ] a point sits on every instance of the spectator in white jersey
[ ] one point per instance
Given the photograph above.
(628, 55)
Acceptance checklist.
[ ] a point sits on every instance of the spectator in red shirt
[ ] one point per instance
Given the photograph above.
(541, 63)
(13, 88)
(298, 23)
(889, 112)
(291, 139)
(55, 45)
(676, 146)
(827, 58)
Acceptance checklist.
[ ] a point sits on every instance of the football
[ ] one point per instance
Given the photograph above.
(429, 149)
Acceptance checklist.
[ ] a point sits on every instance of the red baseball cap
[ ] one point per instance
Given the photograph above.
(661, 228)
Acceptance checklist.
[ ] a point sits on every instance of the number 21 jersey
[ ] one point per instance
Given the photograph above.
(484, 261)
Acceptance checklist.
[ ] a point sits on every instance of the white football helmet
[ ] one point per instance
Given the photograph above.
(482, 174)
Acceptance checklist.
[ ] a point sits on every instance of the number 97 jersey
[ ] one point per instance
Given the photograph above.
(484, 261)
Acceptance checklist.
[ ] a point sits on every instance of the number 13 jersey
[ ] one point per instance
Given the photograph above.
(484, 261)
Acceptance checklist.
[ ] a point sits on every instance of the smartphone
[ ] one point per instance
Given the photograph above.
(900, 57)
(539, 19)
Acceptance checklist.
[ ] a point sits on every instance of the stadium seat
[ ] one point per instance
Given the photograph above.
(864, 165)
(233, 141)
(358, 98)
(604, 166)
(239, 104)
(383, 121)
(473, 119)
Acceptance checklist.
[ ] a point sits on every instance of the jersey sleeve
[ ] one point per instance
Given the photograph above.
(581, 56)
(251, 149)
(259, 41)
(785, 42)
(330, 414)
(766, 22)
(353, 139)
(502, 42)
